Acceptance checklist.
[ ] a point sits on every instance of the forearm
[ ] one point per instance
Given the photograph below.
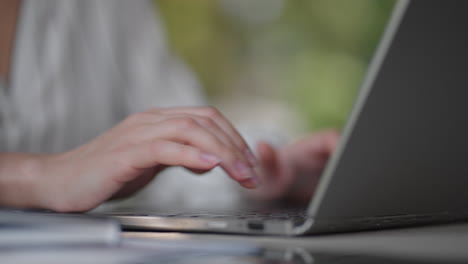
(19, 174)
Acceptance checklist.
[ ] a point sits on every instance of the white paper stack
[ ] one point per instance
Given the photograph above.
(26, 229)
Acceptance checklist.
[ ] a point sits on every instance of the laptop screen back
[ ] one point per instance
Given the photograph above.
(405, 151)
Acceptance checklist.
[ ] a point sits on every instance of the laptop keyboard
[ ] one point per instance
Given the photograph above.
(295, 216)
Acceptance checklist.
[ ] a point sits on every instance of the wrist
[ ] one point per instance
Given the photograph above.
(21, 180)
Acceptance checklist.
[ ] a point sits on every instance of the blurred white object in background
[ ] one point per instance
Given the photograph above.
(252, 13)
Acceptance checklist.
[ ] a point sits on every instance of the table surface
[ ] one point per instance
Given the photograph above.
(438, 243)
(47, 239)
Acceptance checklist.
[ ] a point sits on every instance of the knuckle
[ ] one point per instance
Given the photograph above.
(207, 121)
(211, 111)
(185, 123)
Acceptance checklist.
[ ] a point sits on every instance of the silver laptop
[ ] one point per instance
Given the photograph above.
(403, 156)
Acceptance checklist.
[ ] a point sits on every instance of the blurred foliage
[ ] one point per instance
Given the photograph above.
(310, 53)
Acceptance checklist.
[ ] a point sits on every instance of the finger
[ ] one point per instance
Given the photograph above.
(229, 136)
(331, 140)
(325, 144)
(312, 151)
(275, 177)
(222, 122)
(268, 158)
(163, 152)
(216, 130)
(188, 131)
(212, 127)
(251, 183)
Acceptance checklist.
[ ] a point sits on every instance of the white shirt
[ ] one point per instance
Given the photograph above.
(79, 67)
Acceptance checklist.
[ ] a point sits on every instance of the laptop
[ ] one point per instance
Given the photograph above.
(403, 156)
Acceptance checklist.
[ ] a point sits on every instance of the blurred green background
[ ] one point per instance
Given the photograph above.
(309, 56)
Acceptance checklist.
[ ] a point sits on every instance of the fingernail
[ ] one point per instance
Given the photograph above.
(244, 171)
(251, 158)
(251, 183)
(210, 158)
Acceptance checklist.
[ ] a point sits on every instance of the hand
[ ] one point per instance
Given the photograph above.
(292, 173)
(125, 158)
